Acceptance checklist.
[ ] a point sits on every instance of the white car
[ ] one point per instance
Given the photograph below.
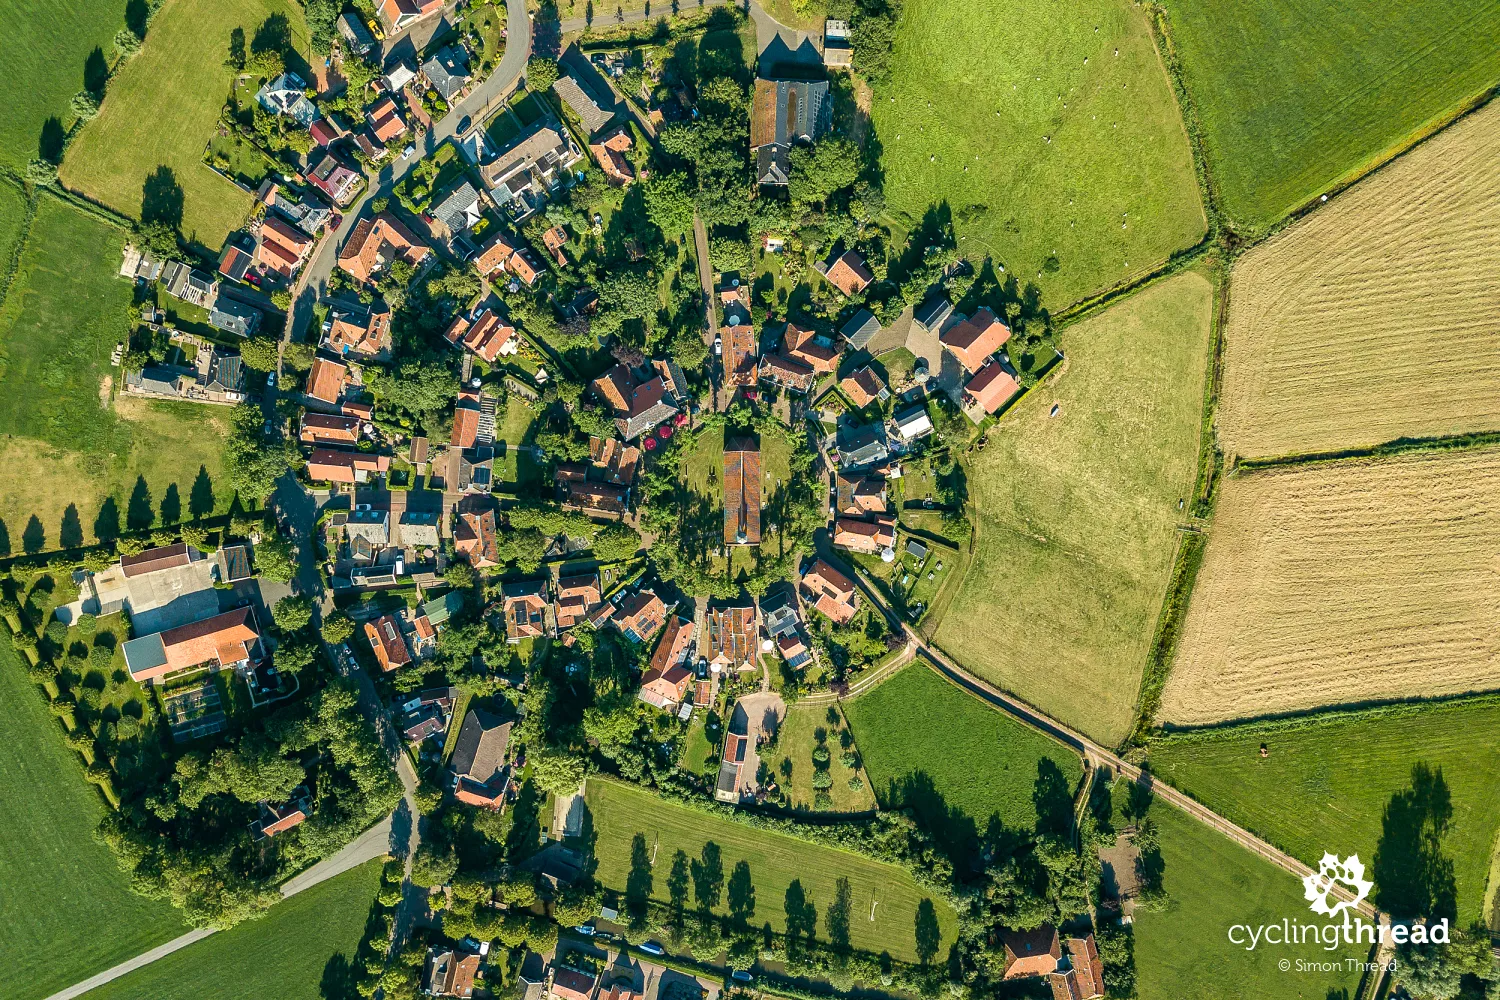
(270, 380)
(407, 152)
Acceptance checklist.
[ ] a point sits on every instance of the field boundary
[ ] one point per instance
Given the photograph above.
(89, 206)
(1210, 455)
(1187, 110)
(1191, 545)
(1472, 441)
(11, 267)
(1304, 718)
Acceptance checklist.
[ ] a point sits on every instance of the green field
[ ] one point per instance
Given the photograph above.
(1213, 884)
(621, 811)
(62, 892)
(162, 109)
(301, 950)
(1078, 512)
(12, 218)
(1328, 784)
(64, 314)
(1294, 98)
(959, 763)
(991, 110)
(795, 742)
(47, 44)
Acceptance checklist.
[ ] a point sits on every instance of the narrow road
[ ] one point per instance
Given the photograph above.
(1097, 755)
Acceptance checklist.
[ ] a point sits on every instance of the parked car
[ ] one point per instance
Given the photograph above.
(740, 975)
(408, 151)
(270, 380)
(652, 948)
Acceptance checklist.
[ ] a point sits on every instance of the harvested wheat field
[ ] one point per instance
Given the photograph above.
(1378, 316)
(1342, 582)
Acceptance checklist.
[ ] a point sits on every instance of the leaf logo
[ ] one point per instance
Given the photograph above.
(1318, 887)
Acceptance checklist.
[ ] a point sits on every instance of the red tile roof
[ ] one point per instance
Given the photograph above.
(742, 492)
(328, 428)
(380, 241)
(326, 380)
(849, 275)
(1031, 953)
(974, 339)
(992, 387)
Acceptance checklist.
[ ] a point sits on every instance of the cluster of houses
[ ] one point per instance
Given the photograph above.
(225, 311)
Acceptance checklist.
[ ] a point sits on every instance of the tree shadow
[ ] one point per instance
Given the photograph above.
(929, 936)
(638, 882)
(201, 499)
(139, 514)
(107, 523)
(801, 913)
(955, 831)
(96, 72)
(526, 824)
(678, 885)
(161, 198)
(340, 980)
(741, 894)
(836, 917)
(53, 139)
(70, 536)
(1053, 800)
(4, 539)
(708, 876)
(1413, 877)
(136, 15)
(171, 506)
(34, 537)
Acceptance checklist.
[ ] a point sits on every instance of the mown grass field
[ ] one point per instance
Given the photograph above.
(1294, 98)
(1077, 513)
(1212, 884)
(62, 894)
(162, 109)
(1330, 782)
(621, 811)
(796, 741)
(64, 314)
(1340, 583)
(47, 43)
(1374, 318)
(1048, 130)
(932, 747)
(301, 950)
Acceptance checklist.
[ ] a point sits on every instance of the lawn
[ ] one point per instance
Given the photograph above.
(912, 585)
(1328, 784)
(302, 950)
(1297, 97)
(1078, 512)
(63, 893)
(65, 312)
(960, 764)
(1213, 884)
(147, 143)
(795, 743)
(619, 812)
(703, 473)
(1048, 130)
(51, 48)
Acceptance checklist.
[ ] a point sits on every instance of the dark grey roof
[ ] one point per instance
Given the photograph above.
(583, 103)
(447, 70)
(773, 164)
(479, 753)
(234, 563)
(226, 373)
(808, 104)
(456, 209)
(934, 312)
(234, 317)
(861, 329)
(353, 30)
(862, 446)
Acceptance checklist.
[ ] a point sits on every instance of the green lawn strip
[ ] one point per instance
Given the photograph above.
(1075, 175)
(618, 812)
(301, 950)
(162, 108)
(12, 223)
(796, 741)
(1078, 512)
(48, 52)
(1296, 98)
(62, 893)
(932, 747)
(1213, 884)
(1328, 782)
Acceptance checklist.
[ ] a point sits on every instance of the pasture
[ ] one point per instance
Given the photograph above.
(1295, 98)
(1390, 285)
(618, 812)
(793, 763)
(1213, 883)
(53, 49)
(1330, 783)
(1077, 513)
(1340, 583)
(144, 153)
(959, 764)
(12, 221)
(64, 314)
(63, 893)
(1066, 161)
(303, 949)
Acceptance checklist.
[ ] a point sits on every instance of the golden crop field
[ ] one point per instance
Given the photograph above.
(1378, 316)
(1342, 582)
